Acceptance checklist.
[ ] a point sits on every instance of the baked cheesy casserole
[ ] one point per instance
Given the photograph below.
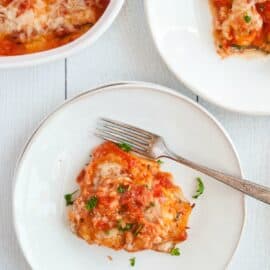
(127, 202)
(241, 25)
(28, 26)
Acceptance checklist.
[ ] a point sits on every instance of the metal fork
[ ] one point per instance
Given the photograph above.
(153, 146)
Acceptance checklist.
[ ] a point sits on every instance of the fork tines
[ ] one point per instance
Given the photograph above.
(118, 132)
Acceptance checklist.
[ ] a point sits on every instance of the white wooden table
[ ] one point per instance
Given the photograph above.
(125, 52)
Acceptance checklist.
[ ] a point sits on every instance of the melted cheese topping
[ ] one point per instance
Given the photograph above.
(147, 212)
(23, 21)
(240, 24)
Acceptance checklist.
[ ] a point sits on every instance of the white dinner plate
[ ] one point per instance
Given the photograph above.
(60, 147)
(182, 32)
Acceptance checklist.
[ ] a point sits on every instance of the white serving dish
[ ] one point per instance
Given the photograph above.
(68, 49)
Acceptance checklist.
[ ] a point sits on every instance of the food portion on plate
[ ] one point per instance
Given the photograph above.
(241, 25)
(127, 202)
(28, 26)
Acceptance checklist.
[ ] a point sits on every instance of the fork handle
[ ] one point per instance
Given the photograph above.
(256, 191)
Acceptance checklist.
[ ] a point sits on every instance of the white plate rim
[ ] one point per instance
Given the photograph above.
(189, 86)
(104, 87)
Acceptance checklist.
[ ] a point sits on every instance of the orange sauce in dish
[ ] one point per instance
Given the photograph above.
(28, 26)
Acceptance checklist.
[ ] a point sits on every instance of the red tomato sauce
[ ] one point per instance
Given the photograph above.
(11, 45)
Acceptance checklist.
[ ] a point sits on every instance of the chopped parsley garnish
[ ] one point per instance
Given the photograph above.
(247, 18)
(122, 189)
(160, 161)
(132, 261)
(125, 147)
(175, 252)
(236, 46)
(138, 229)
(91, 203)
(200, 188)
(125, 228)
(151, 204)
(69, 198)
(177, 216)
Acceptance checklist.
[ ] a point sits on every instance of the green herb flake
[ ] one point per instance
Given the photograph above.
(151, 204)
(175, 252)
(122, 189)
(132, 261)
(69, 198)
(236, 46)
(125, 228)
(177, 216)
(125, 147)
(200, 188)
(91, 203)
(159, 161)
(138, 229)
(247, 18)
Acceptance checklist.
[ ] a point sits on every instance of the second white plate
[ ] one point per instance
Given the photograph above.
(182, 32)
(60, 147)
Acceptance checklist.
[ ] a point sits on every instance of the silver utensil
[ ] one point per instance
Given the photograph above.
(153, 146)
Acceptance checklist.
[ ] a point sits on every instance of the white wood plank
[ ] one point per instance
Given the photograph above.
(125, 52)
(250, 135)
(26, 96)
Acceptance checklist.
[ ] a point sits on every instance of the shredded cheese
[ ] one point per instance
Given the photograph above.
(26, 19)
(135, 217)
(236, 27)
(241, 25)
